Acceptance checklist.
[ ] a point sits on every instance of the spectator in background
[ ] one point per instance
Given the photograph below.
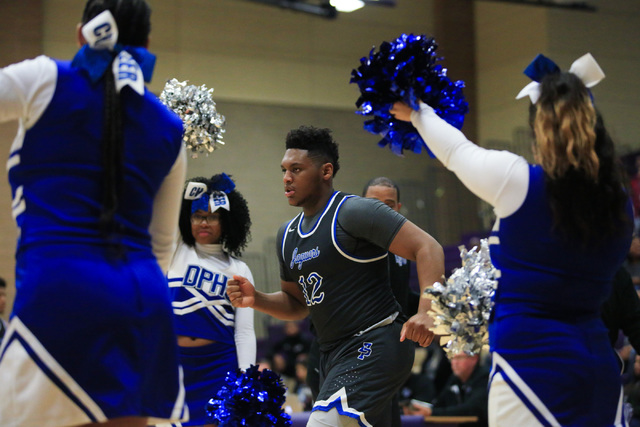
(284, 353)
(632, 263)
(632, 391)
(464, 394)
(621, 311)
(302, 389)
(385, 190)
(3, 304)
(427, 384)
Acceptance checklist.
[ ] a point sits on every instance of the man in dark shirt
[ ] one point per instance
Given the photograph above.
(388, 192)
(621, 311)
(465, 393)
(284, 353)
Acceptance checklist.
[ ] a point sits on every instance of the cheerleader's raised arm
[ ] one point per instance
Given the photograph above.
(500, 178)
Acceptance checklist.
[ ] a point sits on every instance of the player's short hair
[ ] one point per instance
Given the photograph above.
(318, 142)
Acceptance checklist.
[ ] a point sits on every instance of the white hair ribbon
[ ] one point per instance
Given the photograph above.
(585, 67)
(532, 90)
(219, 199)
(195, 190)
(588, 70)
(101, 32)
(127, 72)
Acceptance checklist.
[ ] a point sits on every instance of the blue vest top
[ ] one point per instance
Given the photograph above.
(543, 275)
(57, 176)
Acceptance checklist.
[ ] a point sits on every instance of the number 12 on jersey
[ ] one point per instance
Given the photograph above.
(311, 288)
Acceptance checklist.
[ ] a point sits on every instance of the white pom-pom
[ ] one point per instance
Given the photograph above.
(462, 305)
(203, 125)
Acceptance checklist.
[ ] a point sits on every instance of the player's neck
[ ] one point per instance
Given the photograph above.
(318, 203)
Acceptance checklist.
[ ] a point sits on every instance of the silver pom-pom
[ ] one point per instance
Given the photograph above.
(203, 125)
(462, 305)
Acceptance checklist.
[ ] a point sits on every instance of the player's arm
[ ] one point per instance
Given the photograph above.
(374, 221)
(287, 304)
(413, 243)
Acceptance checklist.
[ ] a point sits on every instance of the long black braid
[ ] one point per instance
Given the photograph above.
(133, 18)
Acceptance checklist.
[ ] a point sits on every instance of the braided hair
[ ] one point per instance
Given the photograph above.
(133, 18)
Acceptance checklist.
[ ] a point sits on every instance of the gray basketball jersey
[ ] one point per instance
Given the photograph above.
(343, 275)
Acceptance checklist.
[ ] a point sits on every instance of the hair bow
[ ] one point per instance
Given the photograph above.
(223, 183)
(585, 67)
(133, 64)
(197, 191)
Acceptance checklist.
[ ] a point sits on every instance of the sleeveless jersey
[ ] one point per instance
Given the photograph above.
(56, 174)
(542, 274)
(346, 292)
(198, 284)
(547, 315)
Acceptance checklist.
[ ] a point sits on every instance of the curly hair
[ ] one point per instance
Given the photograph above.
(584, 179)
(235, 224)
(318, 141)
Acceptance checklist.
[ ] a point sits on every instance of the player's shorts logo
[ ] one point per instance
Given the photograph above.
(365, 350)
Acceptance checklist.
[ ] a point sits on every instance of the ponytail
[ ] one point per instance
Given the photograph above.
(112, 154)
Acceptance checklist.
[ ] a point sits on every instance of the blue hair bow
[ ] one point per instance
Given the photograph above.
(540, 67)
(223, 183)
(212, 198)
(132, 66)
(96, 62)
(585, 67)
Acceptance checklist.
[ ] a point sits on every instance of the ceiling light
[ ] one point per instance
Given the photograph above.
(347, 5)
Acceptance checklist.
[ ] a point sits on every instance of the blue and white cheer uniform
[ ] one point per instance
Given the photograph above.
(552, 362)
(91, 335)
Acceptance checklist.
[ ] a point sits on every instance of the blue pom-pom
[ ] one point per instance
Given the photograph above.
(406, 70)
(251, 398)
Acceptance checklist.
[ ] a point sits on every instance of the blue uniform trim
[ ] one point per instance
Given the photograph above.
(340, 403)
(523, 398)
(35, 355)
(49, 373)
(342, 250)
(317, 223)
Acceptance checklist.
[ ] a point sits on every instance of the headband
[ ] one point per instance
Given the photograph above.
(132, 66)
(585, 67)
(198, 192)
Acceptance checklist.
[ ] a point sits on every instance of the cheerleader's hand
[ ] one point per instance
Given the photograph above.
(401, 111)
(241, 292)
